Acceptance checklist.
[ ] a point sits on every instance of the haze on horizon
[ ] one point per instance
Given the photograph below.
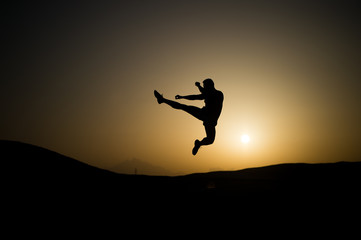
(79, 79)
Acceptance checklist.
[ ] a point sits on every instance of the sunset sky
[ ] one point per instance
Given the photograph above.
(78, 78)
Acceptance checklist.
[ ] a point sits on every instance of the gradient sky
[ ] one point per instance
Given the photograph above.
(78, 78)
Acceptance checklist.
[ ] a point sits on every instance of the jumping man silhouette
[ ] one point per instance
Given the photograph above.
(209, 114)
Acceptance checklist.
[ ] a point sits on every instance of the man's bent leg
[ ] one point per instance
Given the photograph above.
(211, 135)
(209, 139)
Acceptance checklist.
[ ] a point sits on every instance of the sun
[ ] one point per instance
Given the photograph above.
(245, 138)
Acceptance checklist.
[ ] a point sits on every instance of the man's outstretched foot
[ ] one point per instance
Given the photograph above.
(197, 145)
(159, 97)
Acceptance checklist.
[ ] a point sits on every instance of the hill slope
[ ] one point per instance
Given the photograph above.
(30, 168)
(30, 160)
(297, 180)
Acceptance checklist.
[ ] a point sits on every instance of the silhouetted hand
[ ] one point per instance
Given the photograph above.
(178, 97)
(198, 84)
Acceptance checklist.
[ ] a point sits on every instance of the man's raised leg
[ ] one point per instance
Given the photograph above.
(192, 110)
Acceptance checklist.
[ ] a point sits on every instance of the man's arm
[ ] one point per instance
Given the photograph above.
(199, 87)
(191, 97)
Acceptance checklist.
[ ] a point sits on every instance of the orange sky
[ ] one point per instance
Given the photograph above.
(79, 80)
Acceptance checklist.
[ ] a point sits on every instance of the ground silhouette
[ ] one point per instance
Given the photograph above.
(29, 169)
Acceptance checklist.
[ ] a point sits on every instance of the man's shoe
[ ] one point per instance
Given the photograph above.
(159, 97)
(197, 145)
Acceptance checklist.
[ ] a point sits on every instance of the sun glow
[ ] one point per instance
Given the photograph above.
(245, 138)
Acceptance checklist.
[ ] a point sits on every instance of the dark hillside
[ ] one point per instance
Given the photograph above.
(34, 170)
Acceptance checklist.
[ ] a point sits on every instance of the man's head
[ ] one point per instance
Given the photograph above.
(208, 84)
